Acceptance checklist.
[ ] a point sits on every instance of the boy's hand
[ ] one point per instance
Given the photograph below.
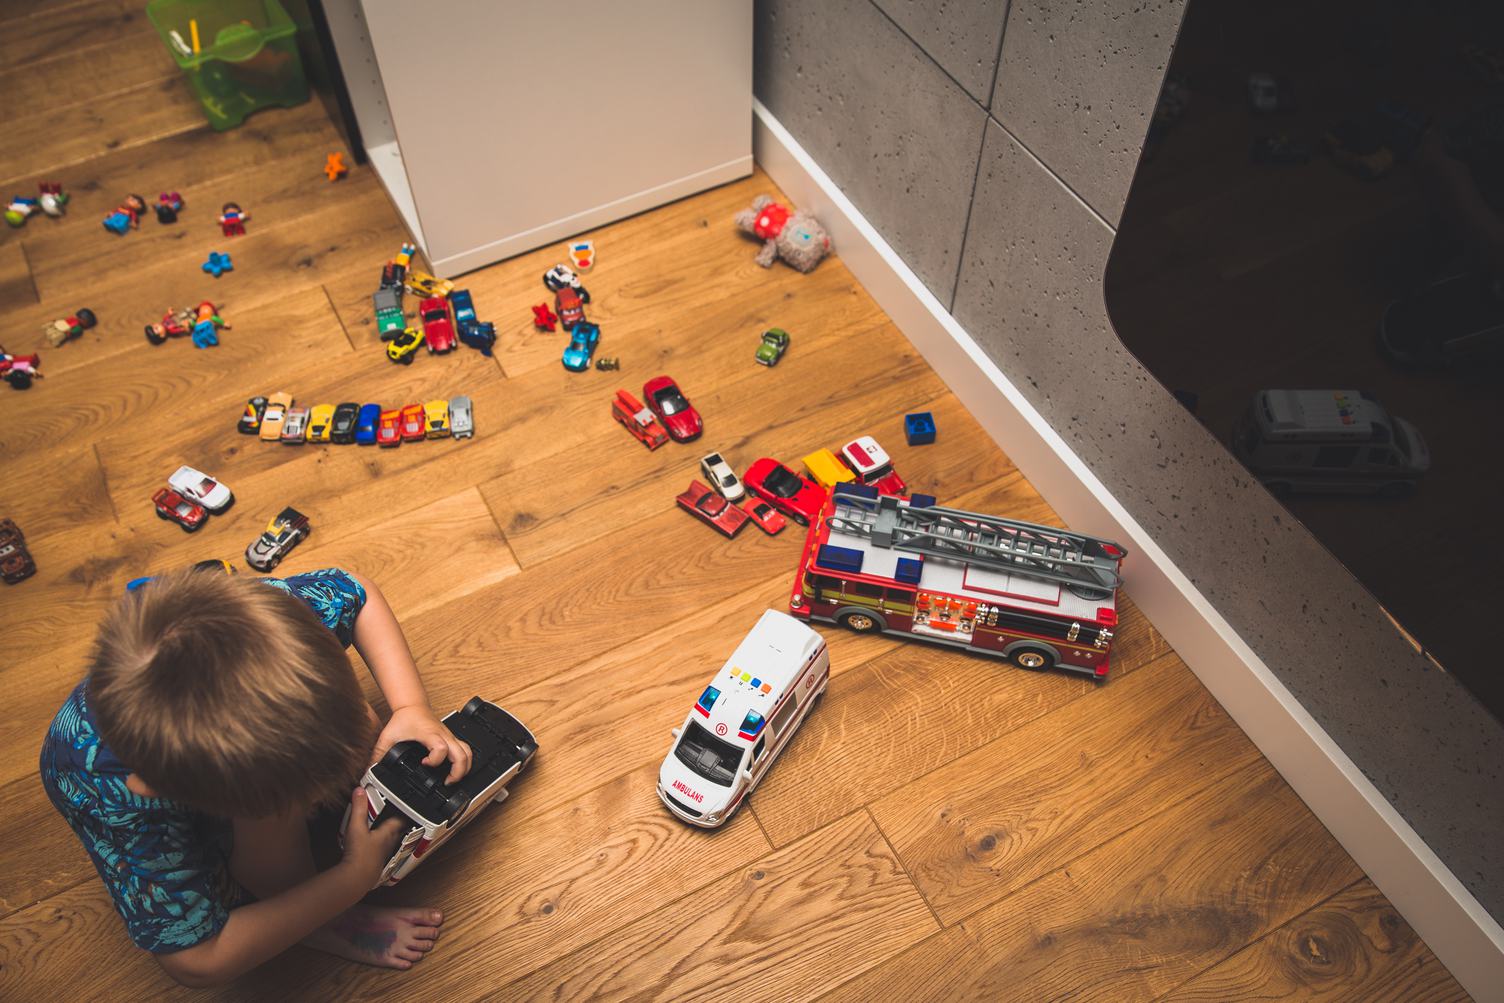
(420, 723)
(366, 849)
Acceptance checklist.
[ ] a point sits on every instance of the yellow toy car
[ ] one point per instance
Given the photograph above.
(826, 469)
(436, 418)
(403, 347)
(425, 285)
(320, 422)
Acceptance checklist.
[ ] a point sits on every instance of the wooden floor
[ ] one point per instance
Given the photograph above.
(944, 827)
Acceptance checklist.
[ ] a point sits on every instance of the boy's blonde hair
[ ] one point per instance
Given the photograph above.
(229, 695)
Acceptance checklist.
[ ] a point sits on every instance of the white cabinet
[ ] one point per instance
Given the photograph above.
(501, 125)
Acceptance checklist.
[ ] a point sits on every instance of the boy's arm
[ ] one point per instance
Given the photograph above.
(379, 639)
(262, 930)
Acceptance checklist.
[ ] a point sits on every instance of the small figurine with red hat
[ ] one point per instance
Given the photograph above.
(169, 204)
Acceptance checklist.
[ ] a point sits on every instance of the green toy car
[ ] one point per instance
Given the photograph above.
(775, 341)
(388, 304)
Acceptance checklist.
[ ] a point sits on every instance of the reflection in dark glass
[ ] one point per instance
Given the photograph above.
(1320, 207)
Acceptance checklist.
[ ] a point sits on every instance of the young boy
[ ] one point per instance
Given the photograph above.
(218, 712)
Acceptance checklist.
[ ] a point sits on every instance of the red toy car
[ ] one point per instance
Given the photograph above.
(15, 560)
(570, 307)
(412, 424)
(175, 508)
(767, 518)
(796, 497)
(389, 433)
(677, 414)
(638, 420)
(438, 330)
(710, 507)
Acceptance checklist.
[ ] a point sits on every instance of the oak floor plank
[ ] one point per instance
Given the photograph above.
(16, 286)
(767, 931)
(32, 34)
(1352, 946)
(1139, 914)
(74, 76)
(988, 823)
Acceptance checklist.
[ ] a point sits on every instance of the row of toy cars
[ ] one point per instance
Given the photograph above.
(276, 419)
(781, 492)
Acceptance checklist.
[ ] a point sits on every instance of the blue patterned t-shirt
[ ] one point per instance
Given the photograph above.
(166, 865)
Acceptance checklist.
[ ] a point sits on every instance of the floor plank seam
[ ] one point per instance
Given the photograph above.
(104, 480)
(939, 923)
(344, 329)
(31, 275)
(501, 532)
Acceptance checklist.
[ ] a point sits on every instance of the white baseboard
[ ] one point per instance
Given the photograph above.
(1454, 925)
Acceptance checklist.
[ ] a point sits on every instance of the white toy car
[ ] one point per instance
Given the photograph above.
(721, 477)
(195, 485)
(743, 720)
(400, 786)
(461, 417)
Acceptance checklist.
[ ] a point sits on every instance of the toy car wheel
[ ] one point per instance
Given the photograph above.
(86, 318)
(862, 623)
(800, 520)
(473, 707)
(407, 360)
(393, 755)
(456, 805)
(1033, 659)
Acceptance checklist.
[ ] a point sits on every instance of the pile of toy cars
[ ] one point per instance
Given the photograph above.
(438, 331)
(570, 297)
(189, 497)
(667, 415)
(277, 419)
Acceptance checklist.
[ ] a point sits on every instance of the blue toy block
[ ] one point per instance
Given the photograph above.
(919, 428)
(218, 264)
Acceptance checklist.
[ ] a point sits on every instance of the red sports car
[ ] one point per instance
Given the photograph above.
(175, 508)
(796, 497)
(767, 518)
(705, 504)
(413, 425)
(678, 416)
(389, 432)
(438, 330)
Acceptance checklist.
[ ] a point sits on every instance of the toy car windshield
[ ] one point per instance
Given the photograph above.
(671, 402)
(708, 756)
(782, 483)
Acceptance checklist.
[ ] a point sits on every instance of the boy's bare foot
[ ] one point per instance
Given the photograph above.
(382, 936)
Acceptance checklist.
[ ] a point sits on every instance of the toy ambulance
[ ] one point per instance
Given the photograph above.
(1329, 441)
(743, 720)
(400, 786)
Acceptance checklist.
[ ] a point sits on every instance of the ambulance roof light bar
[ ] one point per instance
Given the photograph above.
(1054, 555)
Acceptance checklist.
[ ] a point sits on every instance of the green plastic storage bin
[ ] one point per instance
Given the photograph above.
(247, 58)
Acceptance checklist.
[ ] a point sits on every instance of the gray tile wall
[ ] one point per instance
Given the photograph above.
(994, 149)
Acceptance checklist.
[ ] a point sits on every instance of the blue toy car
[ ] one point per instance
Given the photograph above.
(583, 338)
(472, 331)
(365, 424)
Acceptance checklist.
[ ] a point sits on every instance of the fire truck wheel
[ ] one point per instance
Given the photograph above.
(1033, 659)
(862, 623)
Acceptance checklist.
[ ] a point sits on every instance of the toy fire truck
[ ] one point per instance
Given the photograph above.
(1037, 596)
(401, 787)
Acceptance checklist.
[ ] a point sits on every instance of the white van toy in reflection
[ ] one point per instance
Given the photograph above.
(401, 787)
(743, 720)
(1329, 441)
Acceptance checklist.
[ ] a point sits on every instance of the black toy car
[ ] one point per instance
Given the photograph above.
(250, 420)
(342, 428)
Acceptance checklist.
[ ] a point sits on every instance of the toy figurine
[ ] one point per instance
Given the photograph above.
(127, 215)
(218, 264)
(582, 253)
(544, 319)
(68, 328)
(607, 363)
(334, 166)
(560, 277)
(792, 235)
(50, 200)
(175, 323)
(206, 324)
(232, 220)
(19, 370)
(169, 204)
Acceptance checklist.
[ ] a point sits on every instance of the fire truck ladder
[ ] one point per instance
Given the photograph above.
(1085, 564)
